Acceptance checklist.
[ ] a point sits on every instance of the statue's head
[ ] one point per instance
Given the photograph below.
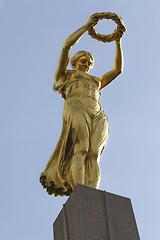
(83, 61)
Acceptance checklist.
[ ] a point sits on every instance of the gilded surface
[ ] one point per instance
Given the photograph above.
(85, 126)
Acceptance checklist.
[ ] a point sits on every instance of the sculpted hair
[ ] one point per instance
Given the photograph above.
(79, 54)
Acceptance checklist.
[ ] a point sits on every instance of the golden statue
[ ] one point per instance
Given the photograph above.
(85, 126)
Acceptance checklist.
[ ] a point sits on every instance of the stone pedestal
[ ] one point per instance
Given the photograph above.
(91, 214)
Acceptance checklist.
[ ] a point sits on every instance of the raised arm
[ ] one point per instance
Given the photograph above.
(69, 42)
(118, 66)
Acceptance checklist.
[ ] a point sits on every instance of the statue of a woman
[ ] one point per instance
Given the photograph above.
(85, 126)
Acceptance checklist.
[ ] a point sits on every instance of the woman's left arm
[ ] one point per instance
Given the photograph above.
(118, 66)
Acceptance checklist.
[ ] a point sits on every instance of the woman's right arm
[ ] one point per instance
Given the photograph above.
(69, 42)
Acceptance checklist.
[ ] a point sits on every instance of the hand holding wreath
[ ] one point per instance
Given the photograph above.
(92, 21)
(116, 35)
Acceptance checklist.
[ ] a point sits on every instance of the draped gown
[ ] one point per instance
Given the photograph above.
(85, 123)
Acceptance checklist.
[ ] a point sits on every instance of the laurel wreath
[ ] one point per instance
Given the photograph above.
(118, 32)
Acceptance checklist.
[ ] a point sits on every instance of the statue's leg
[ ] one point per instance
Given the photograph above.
(98, 140)
(81, 147)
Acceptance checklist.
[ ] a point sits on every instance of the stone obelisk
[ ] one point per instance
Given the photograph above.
(91, 214)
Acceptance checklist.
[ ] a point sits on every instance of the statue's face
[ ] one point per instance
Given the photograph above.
(84, 63)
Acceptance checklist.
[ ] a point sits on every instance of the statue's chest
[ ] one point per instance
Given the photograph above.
(82, 85)
(83, 79)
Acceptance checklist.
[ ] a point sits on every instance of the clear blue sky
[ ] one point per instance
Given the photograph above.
(31, 37)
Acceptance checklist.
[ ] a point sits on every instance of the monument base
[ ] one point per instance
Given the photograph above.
(91, 214)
